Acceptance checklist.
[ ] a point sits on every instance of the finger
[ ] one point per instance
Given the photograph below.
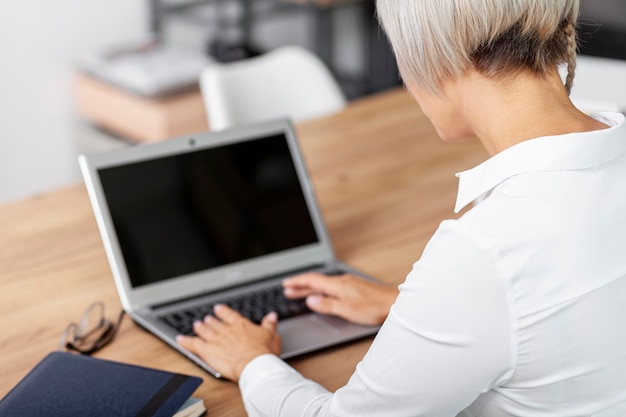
(302, 280)
(213, 323)
(313, 283)
(324, 305)
(192, 344)
(204, 330)
(226, 314)
(270, 321)
(297, 292)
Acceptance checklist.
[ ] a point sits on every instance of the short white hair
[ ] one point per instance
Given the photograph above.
(438, 39)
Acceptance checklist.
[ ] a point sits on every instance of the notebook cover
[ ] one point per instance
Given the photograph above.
(71, 385)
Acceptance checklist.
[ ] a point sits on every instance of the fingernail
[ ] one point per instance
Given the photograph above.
(313, 300)
(273, 316)
(180, 338)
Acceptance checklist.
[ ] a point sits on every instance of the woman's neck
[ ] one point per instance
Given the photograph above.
(504, 112)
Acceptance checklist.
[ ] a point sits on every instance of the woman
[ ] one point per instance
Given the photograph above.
(518, 307)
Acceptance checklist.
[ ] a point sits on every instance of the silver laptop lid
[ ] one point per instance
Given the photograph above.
(205, 212)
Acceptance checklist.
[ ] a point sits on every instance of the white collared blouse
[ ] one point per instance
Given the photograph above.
(518, 308)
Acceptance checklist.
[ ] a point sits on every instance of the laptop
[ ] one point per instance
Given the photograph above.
(215, 217)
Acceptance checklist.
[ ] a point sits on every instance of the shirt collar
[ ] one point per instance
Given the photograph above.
(548, 153)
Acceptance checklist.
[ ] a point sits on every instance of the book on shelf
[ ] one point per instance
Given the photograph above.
(71, 385)
(149, 68)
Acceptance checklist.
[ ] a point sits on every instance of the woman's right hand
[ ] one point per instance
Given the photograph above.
(347, 296)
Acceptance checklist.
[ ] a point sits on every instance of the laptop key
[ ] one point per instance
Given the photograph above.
(254, 306)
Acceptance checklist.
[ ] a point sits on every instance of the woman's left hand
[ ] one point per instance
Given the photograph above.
(228, 341)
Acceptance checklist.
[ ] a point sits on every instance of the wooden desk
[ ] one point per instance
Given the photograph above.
(384, 182)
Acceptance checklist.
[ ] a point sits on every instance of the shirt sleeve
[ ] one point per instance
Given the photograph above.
(449, 337)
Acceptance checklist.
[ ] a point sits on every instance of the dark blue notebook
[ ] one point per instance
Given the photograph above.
(70, 385)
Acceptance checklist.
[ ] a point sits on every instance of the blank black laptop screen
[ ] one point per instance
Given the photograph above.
(188, 212)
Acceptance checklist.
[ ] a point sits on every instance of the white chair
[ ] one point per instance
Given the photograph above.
(286, 82)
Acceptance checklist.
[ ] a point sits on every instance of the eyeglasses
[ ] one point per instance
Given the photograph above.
(92, 333)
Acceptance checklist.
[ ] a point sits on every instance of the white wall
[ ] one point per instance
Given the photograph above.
(40, 40)
(600, 84)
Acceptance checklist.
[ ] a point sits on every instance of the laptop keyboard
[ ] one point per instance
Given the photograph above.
(254, 306)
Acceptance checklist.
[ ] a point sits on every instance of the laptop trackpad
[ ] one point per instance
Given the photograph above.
(303, 334)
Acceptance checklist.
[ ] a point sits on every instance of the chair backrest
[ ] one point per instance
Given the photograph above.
(285, 82)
